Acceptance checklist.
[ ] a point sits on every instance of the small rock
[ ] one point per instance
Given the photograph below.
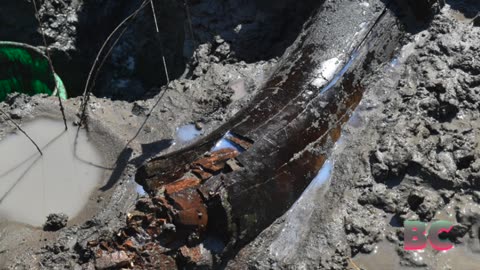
(233, 164)
(16, 114)
(88, 266)
(415, 199)
(476, 196)
(458, 231)
(424, 203)
(407, 91)
(392, 237)
(199, 125)
(380, 197)
(475, 166)
(169, 227)
(467, 212)
(113, 260)
(140, 109)
(219, 39)
(198, 256)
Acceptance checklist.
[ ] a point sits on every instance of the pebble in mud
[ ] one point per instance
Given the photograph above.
(425, 203)
(55, 222)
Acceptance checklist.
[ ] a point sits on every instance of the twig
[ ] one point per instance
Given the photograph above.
(158, 32)
(146, 118)
(166, 70)
(37, 15)
(94, 81)
(21, 130)
(154, 16)
(190, 23)
(161, 95)
(353, 264)
(88, 88)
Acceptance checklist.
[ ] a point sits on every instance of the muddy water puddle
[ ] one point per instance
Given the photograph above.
(382, 257)
(62, 180)
(386, 255)
(187, 133)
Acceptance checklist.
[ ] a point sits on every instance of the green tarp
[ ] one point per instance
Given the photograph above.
(25, 69)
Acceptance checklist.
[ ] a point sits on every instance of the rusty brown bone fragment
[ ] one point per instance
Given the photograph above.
(292, 135)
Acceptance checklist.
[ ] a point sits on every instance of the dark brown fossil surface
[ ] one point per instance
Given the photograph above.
(283, 139)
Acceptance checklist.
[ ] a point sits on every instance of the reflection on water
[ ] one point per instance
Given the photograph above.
(140, 190)
(187, 133)
(322, 176)
(225, 143)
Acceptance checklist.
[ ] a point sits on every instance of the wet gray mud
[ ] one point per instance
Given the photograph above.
(398, 154)
(259, 131)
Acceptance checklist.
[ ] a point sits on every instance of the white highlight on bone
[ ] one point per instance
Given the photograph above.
(326, 72)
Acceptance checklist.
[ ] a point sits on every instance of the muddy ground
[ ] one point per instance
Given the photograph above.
(409, 152)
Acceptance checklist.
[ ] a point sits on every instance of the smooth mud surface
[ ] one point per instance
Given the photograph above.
(59, 181)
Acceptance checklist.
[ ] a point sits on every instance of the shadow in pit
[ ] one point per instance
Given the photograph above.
(123, 160)
(150, 150)
(273, 29)
(415, 15)
(119, 168)
(128, 67)
(16, 21)
(396, 221)
(469, 8)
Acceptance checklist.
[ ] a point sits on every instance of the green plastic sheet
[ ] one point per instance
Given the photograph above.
(25, 69)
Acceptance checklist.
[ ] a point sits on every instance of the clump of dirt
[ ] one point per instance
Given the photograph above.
(55, 222)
